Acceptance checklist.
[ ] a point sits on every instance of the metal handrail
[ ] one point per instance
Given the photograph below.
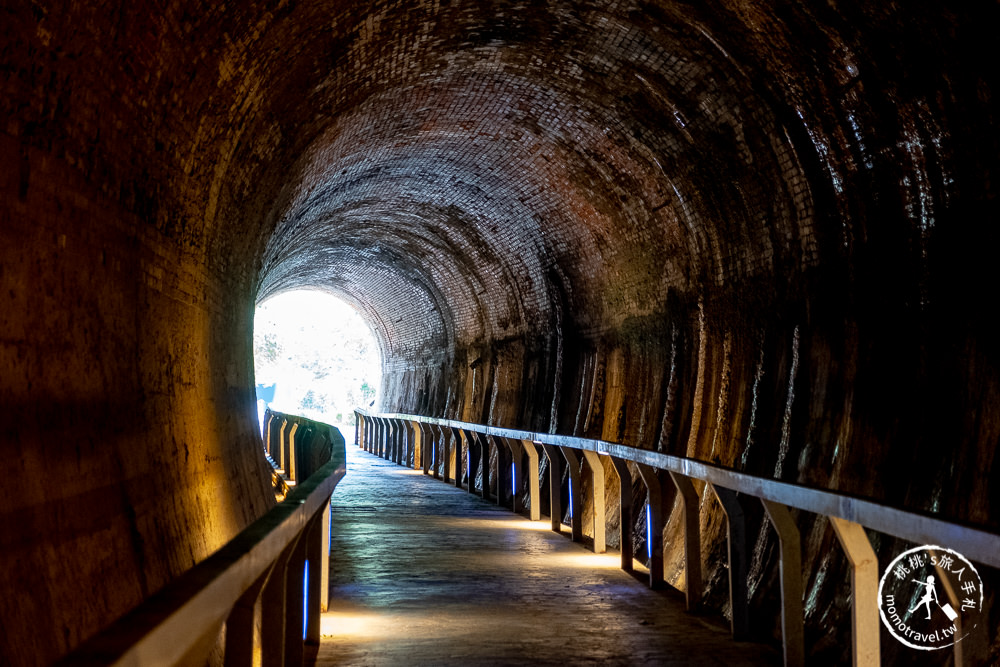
(179, 624)
(849, 515)
(974, 543)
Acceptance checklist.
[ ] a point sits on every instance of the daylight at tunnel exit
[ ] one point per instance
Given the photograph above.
(706, 287)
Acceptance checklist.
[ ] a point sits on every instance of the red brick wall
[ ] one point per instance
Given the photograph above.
(753, 232)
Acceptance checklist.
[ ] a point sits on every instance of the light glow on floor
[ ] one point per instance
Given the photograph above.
(514, 523)
(587, 560)
(356, 626)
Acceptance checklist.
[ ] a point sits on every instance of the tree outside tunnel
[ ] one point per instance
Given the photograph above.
(315, 356)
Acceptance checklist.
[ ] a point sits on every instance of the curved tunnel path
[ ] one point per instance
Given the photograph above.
(423, 573)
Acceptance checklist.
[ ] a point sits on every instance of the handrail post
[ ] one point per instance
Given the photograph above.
(289, 451)
(438, 450)
(624, 511)
(692, 538)
(516, 459)
(399, 441)
(503, 469)
(534, 490)
(380, 437)
(790, 569)
(865, 625)
(654, 534)
(597, 489)
(371, 435)
(737, 538)
(272, 434)
(959, 659)
(399, 452)
(386, 439)
(459, 455)
(294, 602)
(281, 445)
(425, 443)
(266, 436)
(575, 493)
(449, 453)
(484, 463)
(324, 572)
(556, 464)
(390, 440)
(434, 453)
(418, 446)
(471, 459)
(317, 535)
(242, 626)
(973, 649)
(298, 449)
(273, 616)
(371, 441)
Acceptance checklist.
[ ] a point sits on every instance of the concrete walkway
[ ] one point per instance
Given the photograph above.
(423, 573)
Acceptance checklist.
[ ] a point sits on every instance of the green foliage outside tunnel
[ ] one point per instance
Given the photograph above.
(317, 353)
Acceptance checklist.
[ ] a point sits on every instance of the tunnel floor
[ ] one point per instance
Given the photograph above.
(423, 573)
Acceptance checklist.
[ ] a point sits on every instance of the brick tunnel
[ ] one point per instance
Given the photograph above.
(755, 233)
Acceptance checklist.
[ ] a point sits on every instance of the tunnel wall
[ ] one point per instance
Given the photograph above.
(129, 439)
(757, 233)
(129, 446)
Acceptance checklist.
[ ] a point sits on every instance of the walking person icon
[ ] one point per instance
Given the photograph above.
(930, 593)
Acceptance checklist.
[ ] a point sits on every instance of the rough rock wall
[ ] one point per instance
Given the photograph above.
(752, 232)
(129, 439)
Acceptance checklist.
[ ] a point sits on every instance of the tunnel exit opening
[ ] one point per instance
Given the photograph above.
(315, 356)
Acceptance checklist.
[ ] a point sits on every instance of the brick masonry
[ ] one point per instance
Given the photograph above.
(757, 232)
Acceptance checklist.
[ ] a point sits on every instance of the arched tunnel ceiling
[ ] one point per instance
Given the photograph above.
(472, 168)
(754, 232)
